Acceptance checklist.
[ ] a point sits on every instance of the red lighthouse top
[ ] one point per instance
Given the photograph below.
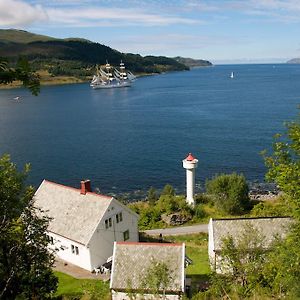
(190, 157)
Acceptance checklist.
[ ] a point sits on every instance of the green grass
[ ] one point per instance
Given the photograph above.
(70, 287)
(196, 249)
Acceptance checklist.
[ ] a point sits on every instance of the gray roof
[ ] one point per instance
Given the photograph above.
(131, 261)
(75, 216)
(268, 228)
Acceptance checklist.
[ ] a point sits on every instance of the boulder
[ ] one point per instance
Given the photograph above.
(175, 218)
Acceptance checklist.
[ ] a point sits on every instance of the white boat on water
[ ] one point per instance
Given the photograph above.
(232, 75)
(110, 77)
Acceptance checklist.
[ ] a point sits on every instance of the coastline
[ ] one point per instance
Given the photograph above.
(59, 80)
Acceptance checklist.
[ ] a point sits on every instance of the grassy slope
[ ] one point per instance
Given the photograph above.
(21, 36)
(69, 286)
(196, 249)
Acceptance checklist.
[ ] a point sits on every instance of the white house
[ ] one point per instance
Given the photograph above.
(84, 224)
(131, 263)
(219, 229)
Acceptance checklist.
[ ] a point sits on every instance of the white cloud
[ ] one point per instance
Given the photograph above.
(18, 13)
(276, 10)
(102, 16)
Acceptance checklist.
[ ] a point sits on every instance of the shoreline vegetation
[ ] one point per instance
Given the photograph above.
(47, 80)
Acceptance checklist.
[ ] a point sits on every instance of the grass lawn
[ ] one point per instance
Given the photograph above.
(196, 249)
(71, 288)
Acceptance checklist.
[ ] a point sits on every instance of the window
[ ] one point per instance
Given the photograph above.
(119, 217)
(50, 239)
(108, 223)
(126, 235)
(75, 250)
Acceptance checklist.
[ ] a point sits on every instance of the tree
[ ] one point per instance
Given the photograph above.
(283, 269)
(152, 196)
(22, 72)
(230, 192)
(25, 261)
(242, 262)
(284, 164)
(157, 278)
(168, 190)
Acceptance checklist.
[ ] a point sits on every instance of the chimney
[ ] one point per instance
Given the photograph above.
(85, 186)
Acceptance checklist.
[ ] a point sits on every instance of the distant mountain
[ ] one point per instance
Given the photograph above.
(190, 62)
(294, 61)
(74, 56)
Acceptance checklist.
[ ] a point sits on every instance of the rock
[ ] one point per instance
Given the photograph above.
(175, 219)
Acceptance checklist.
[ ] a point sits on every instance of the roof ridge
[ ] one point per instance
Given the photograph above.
(149, 243)
(250, 218)
(77, 189)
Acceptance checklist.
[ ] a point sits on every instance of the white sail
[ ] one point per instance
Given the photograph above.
(131, 76)
(110, 77)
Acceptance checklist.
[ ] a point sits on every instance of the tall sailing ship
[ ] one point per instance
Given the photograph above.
(110, 77)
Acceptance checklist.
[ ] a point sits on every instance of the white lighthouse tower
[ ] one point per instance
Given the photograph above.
(190, 163)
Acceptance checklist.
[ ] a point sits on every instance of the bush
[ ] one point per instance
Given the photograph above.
(229, 192)
(202, 198)
(200, 212)
(269, 209)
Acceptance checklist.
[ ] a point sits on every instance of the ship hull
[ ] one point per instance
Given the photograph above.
(110, 86)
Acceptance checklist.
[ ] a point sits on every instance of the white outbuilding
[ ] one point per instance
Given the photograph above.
(84, 224)
(268, 229)
(134, 262)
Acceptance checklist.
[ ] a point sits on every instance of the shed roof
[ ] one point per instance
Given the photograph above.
(267, 227)
(74, 216)
(131, 261)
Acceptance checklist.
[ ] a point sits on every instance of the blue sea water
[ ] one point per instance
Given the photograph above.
(133, 138)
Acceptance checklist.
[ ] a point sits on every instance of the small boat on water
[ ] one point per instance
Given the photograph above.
(232, 75)
(110, 77)
(17, 98)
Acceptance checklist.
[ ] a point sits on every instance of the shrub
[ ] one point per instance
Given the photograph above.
(229, 192)
(200, 212)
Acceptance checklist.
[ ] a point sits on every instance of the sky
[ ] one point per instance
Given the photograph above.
(221, 31)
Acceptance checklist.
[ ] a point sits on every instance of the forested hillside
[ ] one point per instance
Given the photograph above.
(75, 57)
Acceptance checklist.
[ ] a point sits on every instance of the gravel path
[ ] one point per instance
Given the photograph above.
(179, 230)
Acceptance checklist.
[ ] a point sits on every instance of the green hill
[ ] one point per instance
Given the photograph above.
(21, 36)
(75, 57)
(191, 63)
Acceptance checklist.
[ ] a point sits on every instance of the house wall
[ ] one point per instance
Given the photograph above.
(64, 251)
(124, 296)
(102, 243)
(211, 253)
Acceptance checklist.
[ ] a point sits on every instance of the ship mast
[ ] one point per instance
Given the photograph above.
(123, 74)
